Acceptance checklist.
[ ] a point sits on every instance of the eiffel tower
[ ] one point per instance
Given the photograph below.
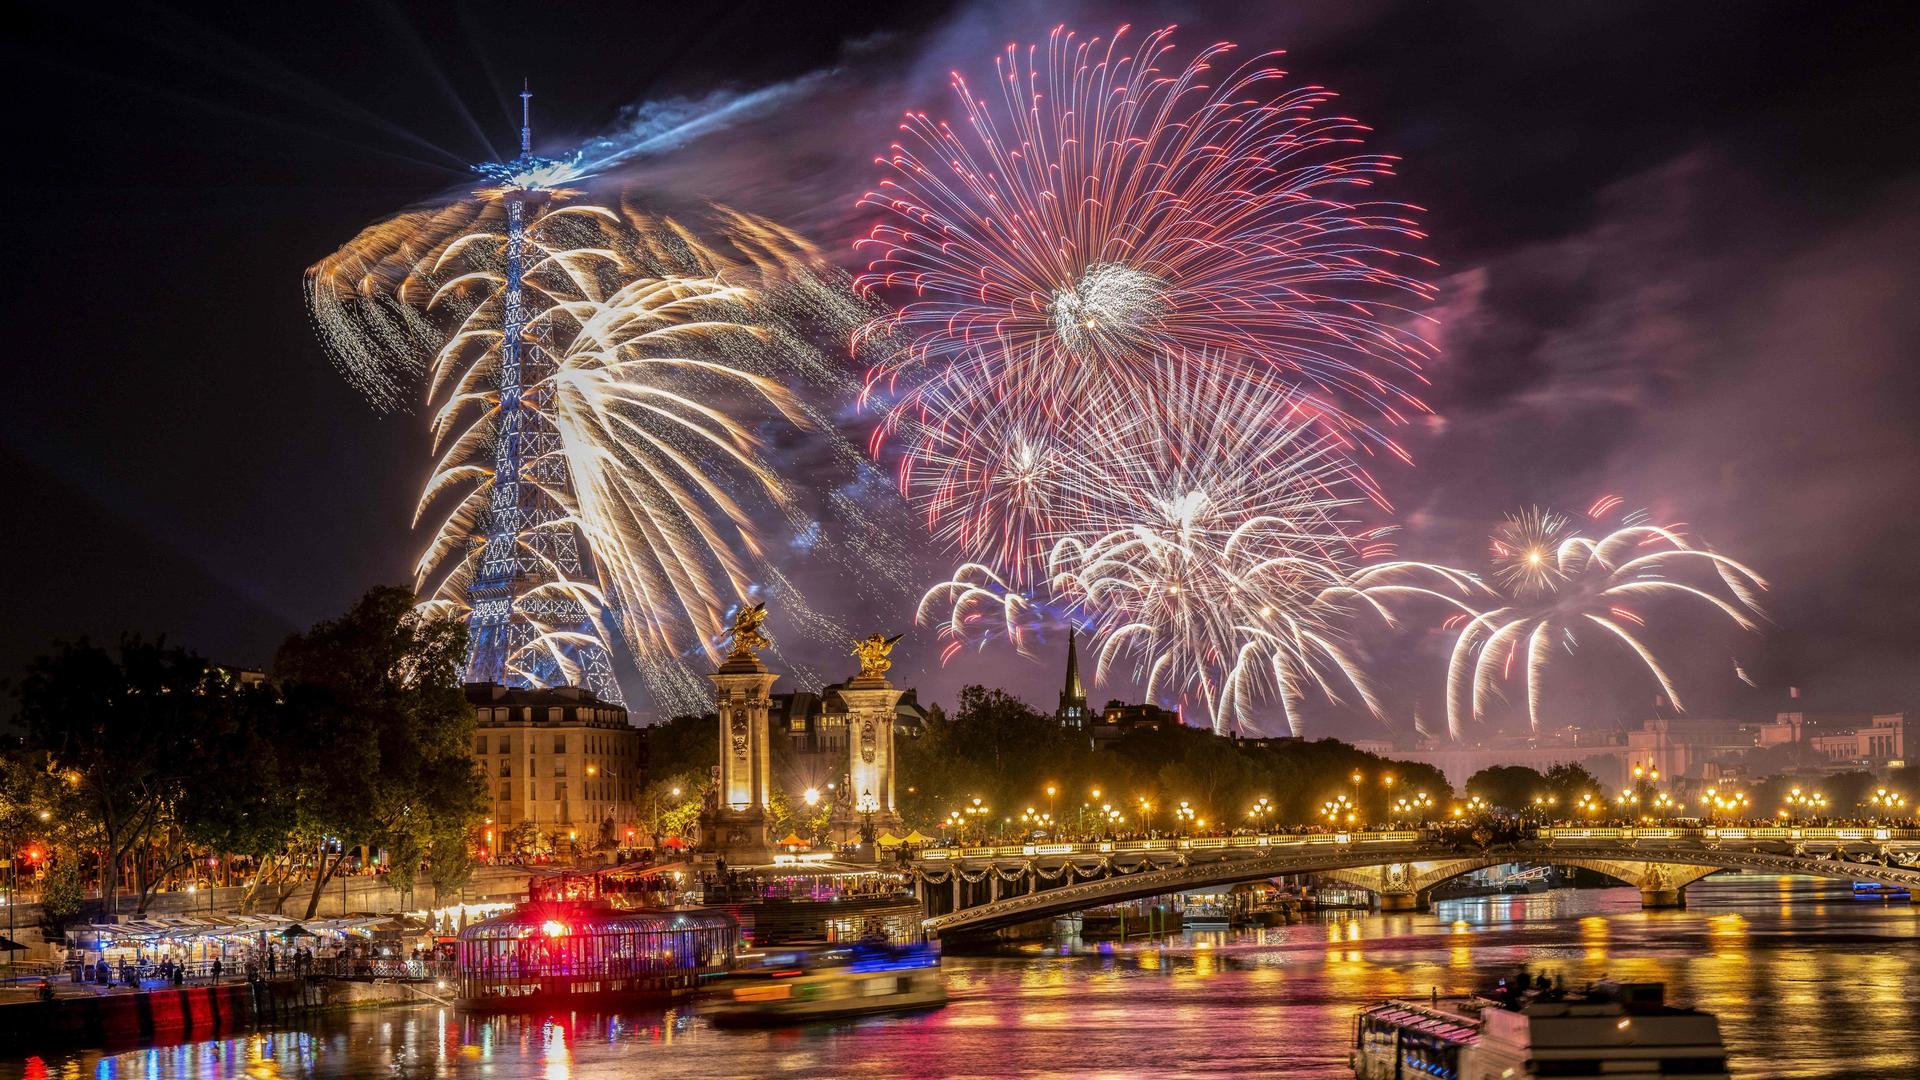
(529, 541)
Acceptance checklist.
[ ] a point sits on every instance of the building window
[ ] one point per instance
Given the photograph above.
(560, 744)
(506, 744)
(506, 792)
(560, 767)
(506, 766)
(479, 744)
(560, 792)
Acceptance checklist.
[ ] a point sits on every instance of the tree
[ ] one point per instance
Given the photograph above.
(1509, 787)
(125, 728)
(381, 730)
(670, 805)
(993, 747)
(61, 895)
(1847, 792)
(525, 841)
(683, 744)
(1566, 782)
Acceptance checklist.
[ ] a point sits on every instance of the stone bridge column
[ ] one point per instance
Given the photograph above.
(1396, 890)
(734, 824)
(1661, 888)
(871, 702)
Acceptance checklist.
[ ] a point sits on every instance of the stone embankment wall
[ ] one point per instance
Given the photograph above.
(29, 1027)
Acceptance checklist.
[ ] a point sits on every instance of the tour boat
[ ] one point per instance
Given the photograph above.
(806, 985)
(1612, 1029)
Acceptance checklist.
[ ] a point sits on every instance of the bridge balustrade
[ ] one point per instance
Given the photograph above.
(1836, 834)
(1732, 832)
(1193, 843)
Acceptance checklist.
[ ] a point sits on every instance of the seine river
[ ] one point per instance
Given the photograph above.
(1807, 982)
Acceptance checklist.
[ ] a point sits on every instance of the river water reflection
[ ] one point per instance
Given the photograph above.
(1807, 982)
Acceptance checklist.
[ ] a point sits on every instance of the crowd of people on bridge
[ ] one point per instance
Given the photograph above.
(1502, 824)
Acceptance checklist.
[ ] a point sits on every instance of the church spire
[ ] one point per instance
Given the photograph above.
(1073, 696)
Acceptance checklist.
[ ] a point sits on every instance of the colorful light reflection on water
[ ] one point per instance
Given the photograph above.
(1807, 983)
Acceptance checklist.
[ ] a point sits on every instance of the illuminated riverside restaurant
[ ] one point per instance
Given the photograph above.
(568, 942)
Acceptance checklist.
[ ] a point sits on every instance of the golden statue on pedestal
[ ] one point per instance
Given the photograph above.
(747, 638)
(872, 652)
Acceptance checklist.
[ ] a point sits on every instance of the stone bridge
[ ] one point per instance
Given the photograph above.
(981, 889)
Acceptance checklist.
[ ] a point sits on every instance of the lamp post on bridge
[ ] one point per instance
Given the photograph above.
(867, 806)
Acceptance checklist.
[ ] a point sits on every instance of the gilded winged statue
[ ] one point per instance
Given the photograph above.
(747, 638)
(872, 651)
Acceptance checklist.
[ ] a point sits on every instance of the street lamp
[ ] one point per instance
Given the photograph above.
(1717, 803)
(1262, 808)
(976, 811)
(1183, 815)
(1036, 821)
(1338, 810)
(867, 806)
(1887, 801)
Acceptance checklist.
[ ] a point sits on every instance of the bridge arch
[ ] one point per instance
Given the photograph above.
(1408, 886)
(1661, 874)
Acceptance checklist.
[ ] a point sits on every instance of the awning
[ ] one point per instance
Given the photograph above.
(793, 840)
(917, 837)
(676, 843)
(887, 839)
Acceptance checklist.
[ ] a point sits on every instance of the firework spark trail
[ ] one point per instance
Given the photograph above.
(1103, 213)
(1233, 574)
(1560, 583)
(671, 352)
(1236, 576)
(1146, 330)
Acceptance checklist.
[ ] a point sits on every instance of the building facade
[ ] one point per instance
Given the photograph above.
(815, 730)
(561, 759)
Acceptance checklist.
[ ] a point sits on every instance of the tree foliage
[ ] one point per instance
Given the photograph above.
(383, 730)
(1566, 782)
(127, 728)
(995, 748)
(1509, 787)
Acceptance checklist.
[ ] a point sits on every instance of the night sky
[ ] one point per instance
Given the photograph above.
(1678, 247)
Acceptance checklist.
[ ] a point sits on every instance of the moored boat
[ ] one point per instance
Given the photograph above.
(568, 945)
(1607, 1029)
